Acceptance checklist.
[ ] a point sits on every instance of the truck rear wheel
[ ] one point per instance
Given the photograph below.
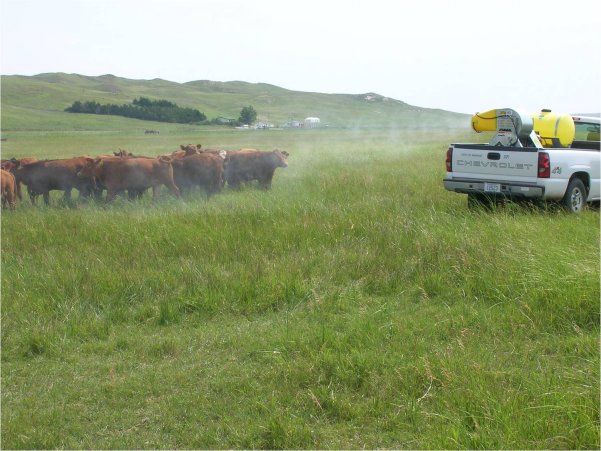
(574, 199)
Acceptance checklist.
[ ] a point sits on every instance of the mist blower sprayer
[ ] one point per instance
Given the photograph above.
(517, 129)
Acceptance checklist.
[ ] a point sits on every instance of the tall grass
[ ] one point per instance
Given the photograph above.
(356, 304)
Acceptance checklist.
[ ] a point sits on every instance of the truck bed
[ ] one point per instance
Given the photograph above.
(521, 172)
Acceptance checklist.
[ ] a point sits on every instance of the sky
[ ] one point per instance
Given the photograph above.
(461, 55)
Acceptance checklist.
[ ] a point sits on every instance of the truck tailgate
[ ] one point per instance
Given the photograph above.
(494, 163)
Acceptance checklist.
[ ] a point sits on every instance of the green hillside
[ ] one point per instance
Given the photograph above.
(38, 103)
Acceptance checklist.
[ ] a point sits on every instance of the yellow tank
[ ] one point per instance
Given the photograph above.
(554, 130)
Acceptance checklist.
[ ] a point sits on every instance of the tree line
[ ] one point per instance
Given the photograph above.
(159, 110)
(142, 108)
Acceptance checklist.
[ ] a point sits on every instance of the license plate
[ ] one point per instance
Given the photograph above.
(492, 187)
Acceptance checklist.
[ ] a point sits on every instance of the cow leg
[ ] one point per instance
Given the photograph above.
(174, 189)
(32, 196)
(85, 191)
(46, 195)
(110, 195)
(135, 194)
(264, 183)
(234, 183)
(265, 179)
(156, 189)
(12, 201)
(68, 196)
(212, 188)
(18, 185)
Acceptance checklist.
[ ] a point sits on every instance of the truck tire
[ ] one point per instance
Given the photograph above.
(574, 199)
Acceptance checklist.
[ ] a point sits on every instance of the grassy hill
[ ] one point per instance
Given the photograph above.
(37, 103)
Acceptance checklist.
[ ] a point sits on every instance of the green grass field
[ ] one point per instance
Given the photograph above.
(357, 304)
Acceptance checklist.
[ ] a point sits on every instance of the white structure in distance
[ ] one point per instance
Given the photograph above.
(312, 122)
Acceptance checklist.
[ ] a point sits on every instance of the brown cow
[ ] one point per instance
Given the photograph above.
(122, 153)
(204, 170)
(11, 166)
(43, 176)
(132, 174)
(246, 165)
(189, 149)
(9, 188)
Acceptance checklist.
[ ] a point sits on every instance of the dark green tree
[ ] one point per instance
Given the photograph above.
(247, 115)
(142, 108)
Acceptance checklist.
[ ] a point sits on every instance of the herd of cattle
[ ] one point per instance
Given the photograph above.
(123, 172)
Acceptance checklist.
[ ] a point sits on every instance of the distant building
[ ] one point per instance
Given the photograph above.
(292, 124)
(312, 122)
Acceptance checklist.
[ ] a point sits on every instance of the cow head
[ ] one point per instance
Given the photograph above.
(19, 164)
(90, 168)
(123, 153)
(281, 158)
(191, 149)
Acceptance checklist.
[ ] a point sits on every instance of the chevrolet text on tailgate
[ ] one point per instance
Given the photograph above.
(546, 156)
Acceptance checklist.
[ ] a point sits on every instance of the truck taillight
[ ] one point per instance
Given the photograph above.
(449, 160)
(544, 165)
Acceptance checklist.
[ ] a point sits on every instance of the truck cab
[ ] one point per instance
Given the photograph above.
(586, 133)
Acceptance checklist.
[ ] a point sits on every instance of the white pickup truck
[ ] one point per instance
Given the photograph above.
(545, 156)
